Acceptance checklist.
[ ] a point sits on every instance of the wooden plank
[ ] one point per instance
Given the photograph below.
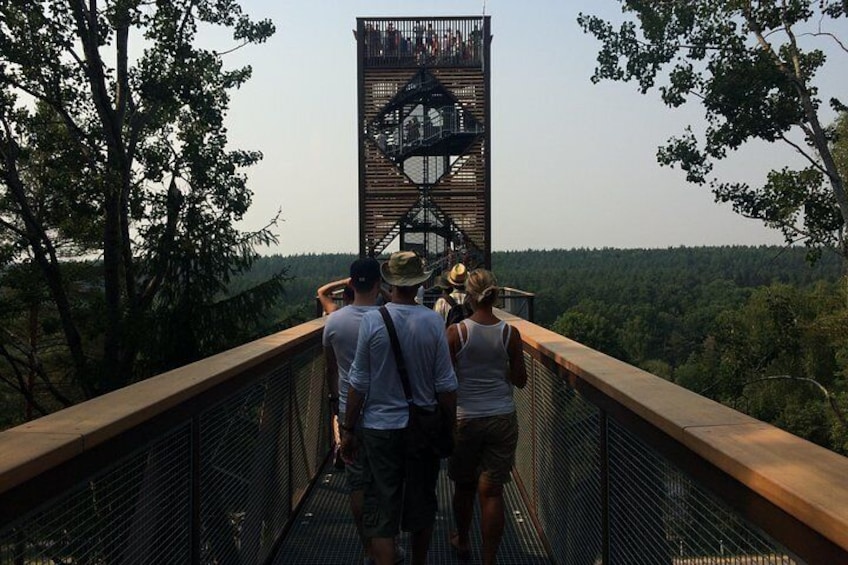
(806, 480)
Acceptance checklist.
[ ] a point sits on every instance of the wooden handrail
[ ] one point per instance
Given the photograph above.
(805, 480)
(32, 448)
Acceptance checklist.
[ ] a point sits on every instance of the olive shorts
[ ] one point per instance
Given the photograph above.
(484, 447)
(399, 493)
(353, 470)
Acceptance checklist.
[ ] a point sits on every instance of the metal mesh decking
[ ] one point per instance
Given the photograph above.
(324, 534)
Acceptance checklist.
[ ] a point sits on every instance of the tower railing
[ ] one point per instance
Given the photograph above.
(412, 42)
(208, 463)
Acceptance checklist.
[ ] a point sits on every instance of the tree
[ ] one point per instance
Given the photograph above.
(745, 61)
(777, 358)
(113, 152)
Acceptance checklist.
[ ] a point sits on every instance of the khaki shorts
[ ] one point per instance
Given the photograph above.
(398, 494)
(484, 447)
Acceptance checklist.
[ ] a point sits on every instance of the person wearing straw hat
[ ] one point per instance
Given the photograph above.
(398, 494)
(456, 279)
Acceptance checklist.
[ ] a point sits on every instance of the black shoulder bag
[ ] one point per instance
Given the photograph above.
(430, 431)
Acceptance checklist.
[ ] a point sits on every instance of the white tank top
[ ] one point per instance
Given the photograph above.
(482, 368)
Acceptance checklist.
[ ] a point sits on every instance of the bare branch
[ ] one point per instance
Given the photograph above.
(825, 34)
(228, 51)
(834, 405)
(804, 154)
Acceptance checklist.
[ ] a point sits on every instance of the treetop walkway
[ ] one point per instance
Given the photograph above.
(225, 461)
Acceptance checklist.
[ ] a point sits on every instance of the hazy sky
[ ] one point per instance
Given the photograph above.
(573, 163)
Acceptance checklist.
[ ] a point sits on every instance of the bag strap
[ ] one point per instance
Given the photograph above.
(450, 300)
(401, 365)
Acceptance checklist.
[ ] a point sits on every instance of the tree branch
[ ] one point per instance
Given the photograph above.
(804, 154)
(834, 405)
(825, 34)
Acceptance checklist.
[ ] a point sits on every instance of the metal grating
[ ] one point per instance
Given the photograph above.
(568, 469)
(240, 475)
(136, 510)
(323, 532)
(526, 442)
(259, 450)
(658, 515)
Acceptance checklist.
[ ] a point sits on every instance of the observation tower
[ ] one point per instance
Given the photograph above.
(423, 132)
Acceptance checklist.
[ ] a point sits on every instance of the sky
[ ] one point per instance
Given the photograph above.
(573, 163)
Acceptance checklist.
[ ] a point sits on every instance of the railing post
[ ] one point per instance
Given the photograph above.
(195, 491)
(604, 472)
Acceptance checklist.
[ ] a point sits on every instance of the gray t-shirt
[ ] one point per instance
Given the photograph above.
(421, 333)
(340, 333)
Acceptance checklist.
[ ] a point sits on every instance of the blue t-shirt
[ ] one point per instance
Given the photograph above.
(421, 333)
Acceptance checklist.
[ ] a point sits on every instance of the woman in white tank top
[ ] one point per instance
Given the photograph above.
(489, 361)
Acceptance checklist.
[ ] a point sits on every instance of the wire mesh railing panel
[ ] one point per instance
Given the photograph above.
(658, 515)
(250, 444)
(309, 420)
(136, 511)
(524, 451)
(215, 487)
(568, 463)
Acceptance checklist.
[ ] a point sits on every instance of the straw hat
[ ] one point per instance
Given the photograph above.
(457, 275)
(404, 268)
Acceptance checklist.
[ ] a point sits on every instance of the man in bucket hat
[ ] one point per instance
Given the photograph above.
(397, 495)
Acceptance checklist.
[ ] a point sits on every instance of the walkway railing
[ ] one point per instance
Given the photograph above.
(204, 464)
(208, 463)
(618, 464)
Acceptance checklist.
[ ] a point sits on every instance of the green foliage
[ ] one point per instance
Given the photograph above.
(717, 321)
(755, 79)
(119, 193)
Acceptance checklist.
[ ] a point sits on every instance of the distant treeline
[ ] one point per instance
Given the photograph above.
(739, 324)
(562, 279)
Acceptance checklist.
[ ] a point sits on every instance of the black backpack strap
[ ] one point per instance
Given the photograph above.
(401, 365)
(450, 300)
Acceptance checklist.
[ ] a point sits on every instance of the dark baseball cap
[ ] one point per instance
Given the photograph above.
(365, 271)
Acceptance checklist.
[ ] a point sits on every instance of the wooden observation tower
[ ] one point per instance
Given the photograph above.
(424, 149)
